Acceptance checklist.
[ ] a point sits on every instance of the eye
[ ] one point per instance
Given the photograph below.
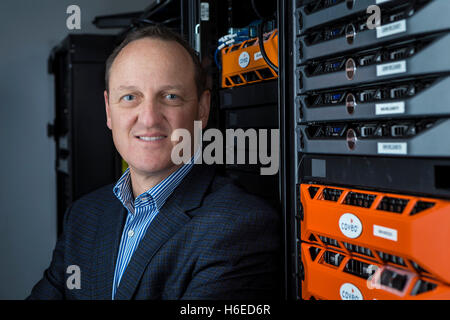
(171, 96)
(128, 97)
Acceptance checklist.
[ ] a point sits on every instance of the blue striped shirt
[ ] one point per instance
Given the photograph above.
(141, 212)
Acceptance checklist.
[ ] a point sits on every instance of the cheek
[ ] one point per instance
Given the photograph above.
(121, 123)
(182, 118)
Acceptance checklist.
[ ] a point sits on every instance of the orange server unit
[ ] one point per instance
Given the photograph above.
(243, 63)
(407, 233)
(333, 275)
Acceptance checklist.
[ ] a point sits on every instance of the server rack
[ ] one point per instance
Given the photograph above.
(363, 114)
(252, 105)
(85, 155)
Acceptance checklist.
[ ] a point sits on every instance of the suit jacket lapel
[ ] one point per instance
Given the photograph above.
(107, 245)
(171, 218)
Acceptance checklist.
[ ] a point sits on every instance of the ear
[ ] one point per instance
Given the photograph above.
(108, 114)
(204, 105)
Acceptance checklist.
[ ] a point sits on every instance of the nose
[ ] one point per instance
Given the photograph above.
(150, 113)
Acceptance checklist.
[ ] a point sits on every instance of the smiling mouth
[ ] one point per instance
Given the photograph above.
(151, 138)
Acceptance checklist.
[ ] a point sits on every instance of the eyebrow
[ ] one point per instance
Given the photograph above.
(125, 88)
(134, 88)
(176, 87)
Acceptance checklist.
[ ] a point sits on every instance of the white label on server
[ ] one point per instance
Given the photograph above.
(391, 29)
(392, 148)
(244, 59)
(204, 11)
(258, 55)
(390, 108)
(350, 225)
(383, 232)
(349, 291)
(391, 68)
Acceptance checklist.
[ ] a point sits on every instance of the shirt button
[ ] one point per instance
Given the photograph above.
(130, 233)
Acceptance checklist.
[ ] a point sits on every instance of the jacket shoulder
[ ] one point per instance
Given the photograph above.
(225, 191)
(92, 205)
(228, 204)
(101, 196)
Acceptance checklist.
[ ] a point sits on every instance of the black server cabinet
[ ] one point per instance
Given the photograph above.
(86, 158)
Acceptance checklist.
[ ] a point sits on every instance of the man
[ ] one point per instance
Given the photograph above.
(164, 231)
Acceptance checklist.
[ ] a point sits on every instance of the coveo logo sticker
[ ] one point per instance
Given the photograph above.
(350, 292)
(350, 225)
(244, 59)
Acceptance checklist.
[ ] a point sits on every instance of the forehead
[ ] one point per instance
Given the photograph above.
(154, 61)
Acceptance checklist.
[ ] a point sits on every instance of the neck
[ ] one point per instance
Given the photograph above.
(141, 182)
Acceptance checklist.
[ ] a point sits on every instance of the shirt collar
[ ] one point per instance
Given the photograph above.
(155, 196)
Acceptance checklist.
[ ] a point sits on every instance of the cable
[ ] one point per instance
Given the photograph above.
(261, 46)
(229, 40)
(261, 38)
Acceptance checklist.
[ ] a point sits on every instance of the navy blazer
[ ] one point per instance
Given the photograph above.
(210, 240)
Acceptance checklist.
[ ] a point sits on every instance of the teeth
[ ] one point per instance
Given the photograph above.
(151, 138)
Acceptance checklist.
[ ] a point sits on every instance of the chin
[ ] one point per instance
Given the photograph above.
(154, 168)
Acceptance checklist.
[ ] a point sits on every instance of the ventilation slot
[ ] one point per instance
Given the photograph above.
(422, 286)
(314, 252)
(358, 249)
(249, 43)
(235, 48)
(331, 194)
(333, 258)
(236, 79)
(367, 131)
(312, 238)
(312, 191)
(266, 73)
(366, 95)
(359, 268)
(366, 60)
(418, 268)
(399, 54)
(359, 199)
(393, 279)
(393, 204)
(422, 206)
(391, 258)
(399, 130)
(250, 76)
(320, 4)
(330, 242)
(399, 92)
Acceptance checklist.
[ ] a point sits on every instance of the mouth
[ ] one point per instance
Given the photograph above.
(154, 138)
(151, 138)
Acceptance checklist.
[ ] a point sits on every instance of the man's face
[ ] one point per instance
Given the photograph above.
(152, 92)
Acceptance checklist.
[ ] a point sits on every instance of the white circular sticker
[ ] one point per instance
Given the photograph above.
(350, 292)
(350, 225)
(244, 59)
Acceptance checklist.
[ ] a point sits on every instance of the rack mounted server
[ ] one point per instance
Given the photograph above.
(370, 161)
(399, 20)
